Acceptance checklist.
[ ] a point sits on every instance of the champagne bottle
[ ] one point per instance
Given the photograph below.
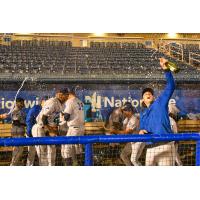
(172, 67)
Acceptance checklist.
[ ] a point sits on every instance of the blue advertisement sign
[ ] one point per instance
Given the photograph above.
(187, 100)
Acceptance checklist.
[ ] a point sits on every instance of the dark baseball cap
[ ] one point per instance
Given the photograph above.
(65, 90)
(19, 99)
(148, 90)
(127, 107)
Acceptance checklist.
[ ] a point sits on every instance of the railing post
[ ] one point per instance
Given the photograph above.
(198, 153)
(88, 155)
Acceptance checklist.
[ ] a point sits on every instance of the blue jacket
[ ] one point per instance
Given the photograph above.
(31, 118)
(155, 118)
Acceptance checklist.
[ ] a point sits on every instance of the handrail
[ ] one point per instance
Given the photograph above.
(98, 139)
(88, 141)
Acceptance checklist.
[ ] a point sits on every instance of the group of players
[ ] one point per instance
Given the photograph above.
(64, 115)
(60, 115)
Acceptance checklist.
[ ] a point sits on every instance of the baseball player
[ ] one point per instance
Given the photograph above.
(133, 150)
(73, 114)
(30, 121)
(154, 119)
(115, 120)
(18, 117)
(173, 113)
(47, 126)
(62, 130)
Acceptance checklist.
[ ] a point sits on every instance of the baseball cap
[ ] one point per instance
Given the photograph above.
(127, 107)
(19, 99)
(65, 90)
(148, 90)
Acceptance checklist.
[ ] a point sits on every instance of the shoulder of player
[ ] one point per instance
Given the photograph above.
(69, 100)
(73, 101)
(76, 100)
(49, 104)
(52, 102)
(49, 101)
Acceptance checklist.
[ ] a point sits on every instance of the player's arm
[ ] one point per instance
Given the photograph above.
(67, 111)
(142, 128)
(170, 85)
(46, 124)
(47, 110)
(133, 126)
(4, 116)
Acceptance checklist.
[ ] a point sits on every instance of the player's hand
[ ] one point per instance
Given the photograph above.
(163, 63)
(4, 116)
(142, 104)
(142, 132)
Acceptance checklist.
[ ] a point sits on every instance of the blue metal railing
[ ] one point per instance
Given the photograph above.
(88, 141)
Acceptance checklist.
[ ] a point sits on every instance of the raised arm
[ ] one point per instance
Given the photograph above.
(170, 85)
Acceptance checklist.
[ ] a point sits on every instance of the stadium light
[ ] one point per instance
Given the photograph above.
(24, 33)
(99, 34)
(172, 35)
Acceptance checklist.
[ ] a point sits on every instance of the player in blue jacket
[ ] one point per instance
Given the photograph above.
(31, 118)
(154, 119)
(30, 121)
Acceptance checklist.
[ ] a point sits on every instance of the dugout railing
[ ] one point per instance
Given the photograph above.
(89, 141)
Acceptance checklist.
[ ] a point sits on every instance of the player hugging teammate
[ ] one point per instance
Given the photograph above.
(60, 115)
(47, 125)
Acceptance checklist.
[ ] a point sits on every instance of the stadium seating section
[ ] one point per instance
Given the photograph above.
(60, 58)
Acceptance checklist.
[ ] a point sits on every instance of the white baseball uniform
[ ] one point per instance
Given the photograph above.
(174, 110)
(163, 154)
(133, 150)
(47, 153)
(74, 107)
